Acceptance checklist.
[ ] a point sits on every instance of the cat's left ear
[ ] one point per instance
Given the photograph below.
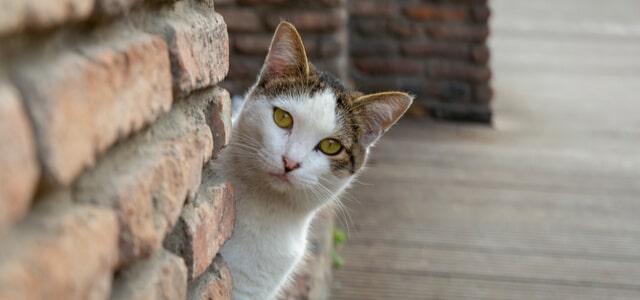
(286, 57)
(380, 111)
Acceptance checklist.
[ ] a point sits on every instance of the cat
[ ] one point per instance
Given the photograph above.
(299, 140)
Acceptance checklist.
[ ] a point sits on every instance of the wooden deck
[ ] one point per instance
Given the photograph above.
(544, 205)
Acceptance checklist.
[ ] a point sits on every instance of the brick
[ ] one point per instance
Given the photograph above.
(161, 276)
(241, 19)
(315, 21)
(373, 9)
(482, 93)
(114, 7)
(82, 101)
(198, 44)
(467, 33)
(215, 283)
(19, 169)
(61, 251)
(469, 113)
(426, 12)
(329, 46)
(17, 16)
(448, 91)
(243, 67)
(458, 71)
(204, 225)
(219, 120)
(480, 13)
(373, 47)
(480, 53)
(372, 28)
(435, 49)
(254, 44)
(147, 179)
(404, 28)
(378, 66)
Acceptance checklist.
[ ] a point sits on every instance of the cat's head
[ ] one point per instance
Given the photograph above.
(300, 130)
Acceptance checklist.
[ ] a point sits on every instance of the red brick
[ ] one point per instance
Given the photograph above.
(61, 251)
(373, 47)
(18, 16)
(404, 28)
(162, 276)
(82, 101)
(147, 179)
(372, 28)
(480, 54)
(205, 224)
(326, 46)
(219, 120)
(243, 67)
(459, 71)
(467, 33)
(381, 66)
(198, 44)
(480, 13)
(316, 21)
(364, 8)
(435, 49)
(482, 93)
(241, 19)
(426, 12)
(215, 283)
(448, 91)
(253, 44)
(19, 169)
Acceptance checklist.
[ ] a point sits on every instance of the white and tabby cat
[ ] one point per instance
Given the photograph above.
(299, 140)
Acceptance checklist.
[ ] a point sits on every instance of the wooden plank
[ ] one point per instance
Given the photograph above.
(390, 257)
(368, 285)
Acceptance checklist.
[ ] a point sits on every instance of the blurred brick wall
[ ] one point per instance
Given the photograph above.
(251, 23)
(109, 114)
(435, 49)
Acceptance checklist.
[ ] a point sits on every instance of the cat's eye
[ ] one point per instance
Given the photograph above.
(330, 146)
(282, 118)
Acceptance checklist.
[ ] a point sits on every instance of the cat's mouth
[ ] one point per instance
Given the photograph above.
(281, 177)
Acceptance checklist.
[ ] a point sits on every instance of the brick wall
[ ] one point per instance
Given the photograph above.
(109, 116)
(435, 49)
(251, 23)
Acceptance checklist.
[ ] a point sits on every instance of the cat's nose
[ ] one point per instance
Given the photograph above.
(289, 164)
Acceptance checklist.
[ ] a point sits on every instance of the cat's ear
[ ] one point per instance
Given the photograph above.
(379, 112)
(286, 56)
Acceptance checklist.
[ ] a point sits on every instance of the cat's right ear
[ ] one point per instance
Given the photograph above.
(286, 57)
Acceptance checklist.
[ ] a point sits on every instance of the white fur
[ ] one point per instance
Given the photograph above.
(273, 216)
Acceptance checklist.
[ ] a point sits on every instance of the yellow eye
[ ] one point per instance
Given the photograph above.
(282, 118)
(330, 146)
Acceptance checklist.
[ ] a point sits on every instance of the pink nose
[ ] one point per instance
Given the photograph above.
(289, 165)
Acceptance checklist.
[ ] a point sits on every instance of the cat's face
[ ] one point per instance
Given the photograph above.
(301, 130)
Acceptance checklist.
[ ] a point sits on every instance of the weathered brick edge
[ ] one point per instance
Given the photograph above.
(106, 124)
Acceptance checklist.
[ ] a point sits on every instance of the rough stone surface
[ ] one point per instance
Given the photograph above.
(205, 224)
(16, 16)
(162, 276)
(77, 115)
(220, 120)
(198, 44)
(19, 167)
(147, 180)
(214, 284)
(62, 251)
